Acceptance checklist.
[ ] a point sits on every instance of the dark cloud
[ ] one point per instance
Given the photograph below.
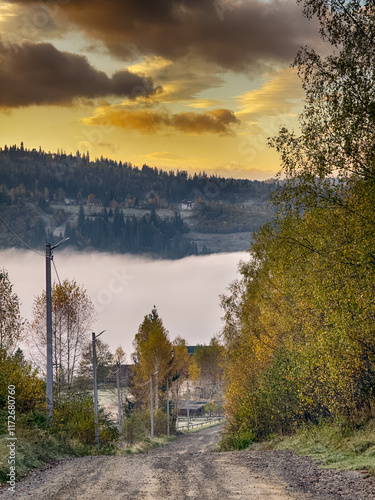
(217, 121)
(238, 37)
(41, 74)
(146, 121)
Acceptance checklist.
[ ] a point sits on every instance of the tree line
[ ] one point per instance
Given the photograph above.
(111, 231)
(35, 175)
(299, 331)
(37, 186)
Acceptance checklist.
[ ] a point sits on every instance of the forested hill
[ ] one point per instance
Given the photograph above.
(28, 173)
(113, 206)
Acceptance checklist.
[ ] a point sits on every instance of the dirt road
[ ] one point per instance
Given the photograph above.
(188, 469)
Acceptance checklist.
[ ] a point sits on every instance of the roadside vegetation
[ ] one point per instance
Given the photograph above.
(38, 440)
(334, 445)
(298, 360)
(299, 332)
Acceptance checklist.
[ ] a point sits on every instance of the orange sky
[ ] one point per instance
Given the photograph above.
(179, 84)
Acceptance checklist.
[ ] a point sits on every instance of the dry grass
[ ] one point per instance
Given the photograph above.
(334, 445)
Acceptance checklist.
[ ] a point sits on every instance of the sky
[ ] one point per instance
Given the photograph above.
(124, 288)
(196, 85)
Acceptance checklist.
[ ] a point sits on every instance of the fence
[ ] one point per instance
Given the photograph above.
(196, 422)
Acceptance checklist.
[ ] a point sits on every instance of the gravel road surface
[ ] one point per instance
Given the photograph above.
(188, 469)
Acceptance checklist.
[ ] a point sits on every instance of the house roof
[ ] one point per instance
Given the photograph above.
(193, 405)
(191, 349)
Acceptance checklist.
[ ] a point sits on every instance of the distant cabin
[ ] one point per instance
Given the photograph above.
(191, 348)
(187, 205)
(196, 408)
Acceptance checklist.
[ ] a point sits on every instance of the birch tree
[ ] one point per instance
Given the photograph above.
(72, 316)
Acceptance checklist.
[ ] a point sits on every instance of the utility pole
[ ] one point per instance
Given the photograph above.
(49, 384)
(167, 408)
(152, 404)
(151, 409)
(187, 407)
(119, 398)
(96, 409)
(49, 332)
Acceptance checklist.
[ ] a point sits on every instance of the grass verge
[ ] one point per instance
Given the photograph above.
(33, 451)
(144, 446)
(36, 448)
(334, 445)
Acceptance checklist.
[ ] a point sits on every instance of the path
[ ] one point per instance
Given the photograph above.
(188, 469)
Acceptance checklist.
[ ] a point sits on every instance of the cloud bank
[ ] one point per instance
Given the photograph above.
(148, 121)
(235, 35)
(37, 74)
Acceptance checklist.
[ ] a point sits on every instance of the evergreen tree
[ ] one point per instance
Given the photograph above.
(11, 323)
(104, 361)
(152, 356)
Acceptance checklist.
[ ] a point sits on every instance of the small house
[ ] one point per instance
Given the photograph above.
(196, 408)
(187, 205)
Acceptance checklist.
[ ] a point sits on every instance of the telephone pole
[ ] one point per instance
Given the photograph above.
(96, 406)
(151, 409)
(119, 398)
(187, 407)
(49, 332)
(152, 405)
(167, 408)
(49, 388)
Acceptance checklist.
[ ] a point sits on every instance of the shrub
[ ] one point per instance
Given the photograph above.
(136, 427)
(74, 420)
(238, 440)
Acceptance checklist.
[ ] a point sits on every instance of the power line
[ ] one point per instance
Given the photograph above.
(48, 255)
(141, 385)
(18, 238)
(57, 274)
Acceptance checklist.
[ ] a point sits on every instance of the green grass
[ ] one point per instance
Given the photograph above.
(334, 445)
(145, 445)
(34, 449)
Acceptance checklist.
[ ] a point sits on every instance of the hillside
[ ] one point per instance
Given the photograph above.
(125, 208)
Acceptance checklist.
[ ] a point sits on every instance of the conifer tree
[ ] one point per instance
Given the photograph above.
(153, 353)
(11, 323)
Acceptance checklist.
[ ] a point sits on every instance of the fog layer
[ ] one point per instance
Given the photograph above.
(125, 288)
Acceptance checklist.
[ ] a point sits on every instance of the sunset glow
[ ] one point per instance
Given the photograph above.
(186, 85)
